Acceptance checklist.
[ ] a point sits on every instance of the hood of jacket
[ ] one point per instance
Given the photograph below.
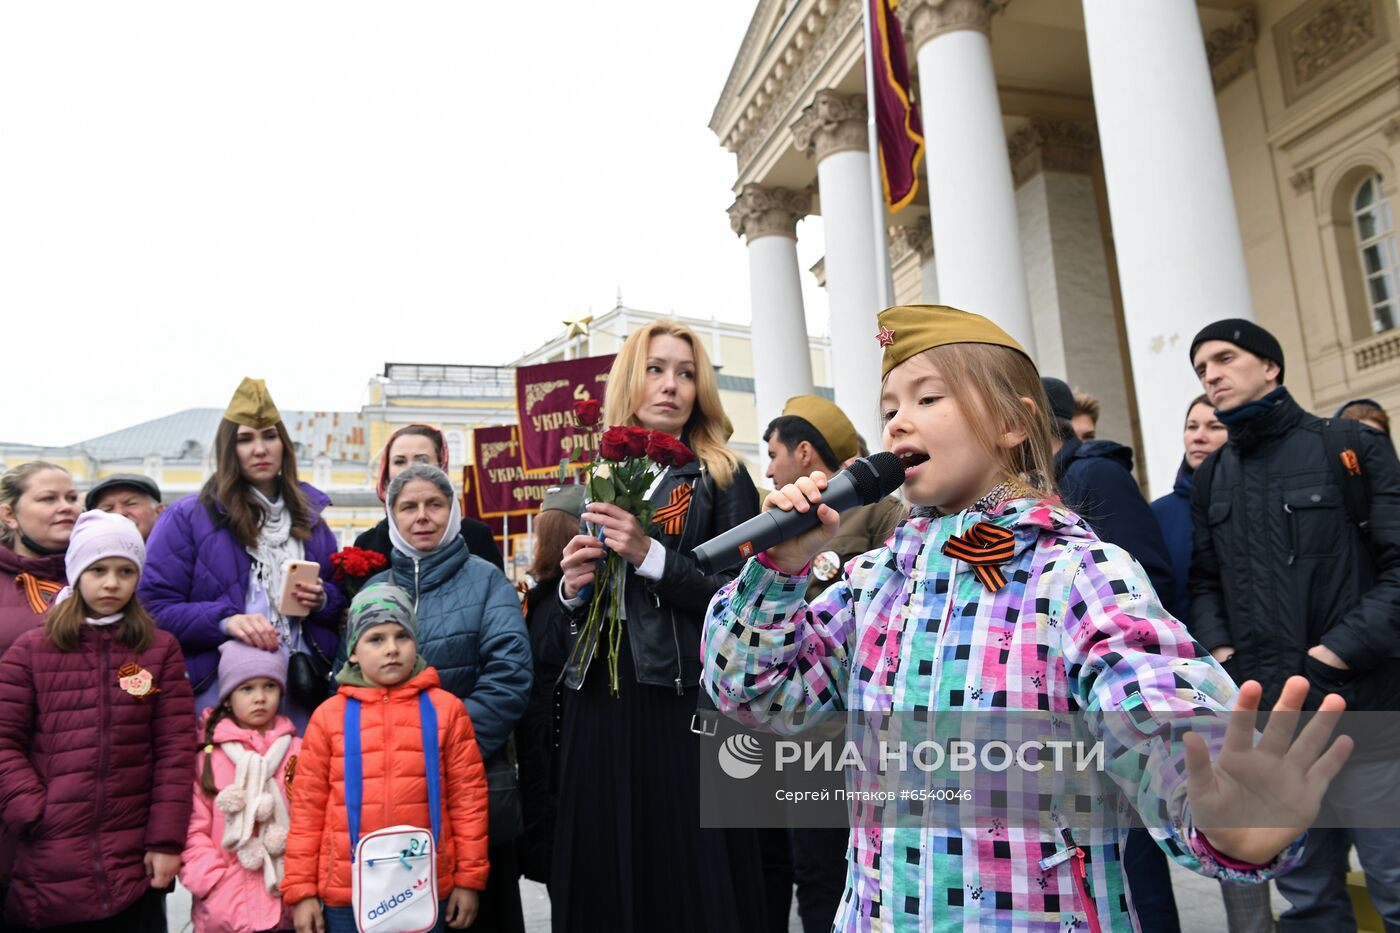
(431, 572)
(1075, 449)
(424, 678)
(1185, 480)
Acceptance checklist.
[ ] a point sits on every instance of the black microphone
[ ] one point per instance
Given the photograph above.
(864, 482)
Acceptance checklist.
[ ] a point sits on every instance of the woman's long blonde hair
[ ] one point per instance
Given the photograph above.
(707, 430)
(989, 383)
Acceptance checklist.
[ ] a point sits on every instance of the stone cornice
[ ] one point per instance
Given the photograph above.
(1230, 49)
(929, 19)
(759, 211)
(832, 123)
(1046, 145)
(806, 48)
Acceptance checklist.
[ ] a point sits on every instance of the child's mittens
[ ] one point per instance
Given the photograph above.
(274, 839)
(231, 800)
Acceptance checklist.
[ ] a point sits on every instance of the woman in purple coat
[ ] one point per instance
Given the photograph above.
(215, 564)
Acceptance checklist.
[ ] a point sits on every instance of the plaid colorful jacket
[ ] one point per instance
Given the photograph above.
(1076, 630)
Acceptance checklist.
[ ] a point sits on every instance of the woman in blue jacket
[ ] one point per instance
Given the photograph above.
(471, 629)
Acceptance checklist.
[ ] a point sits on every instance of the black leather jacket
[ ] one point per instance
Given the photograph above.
(664, 616)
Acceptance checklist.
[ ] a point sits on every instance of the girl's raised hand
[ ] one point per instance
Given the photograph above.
(793, 555)
(1254, 800)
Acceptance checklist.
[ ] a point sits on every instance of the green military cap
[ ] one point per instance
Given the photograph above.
(908, 330)
(831, 423)
(252, 406)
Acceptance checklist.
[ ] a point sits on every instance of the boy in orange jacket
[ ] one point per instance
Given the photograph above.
(386, 675)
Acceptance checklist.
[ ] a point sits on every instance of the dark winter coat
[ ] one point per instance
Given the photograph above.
(537, 733)
(1095, 479)
(92, 775)
(197, 576)
(17, 615)
(664, 616)
(471, 629)
(1278, 566)
(1173, 512)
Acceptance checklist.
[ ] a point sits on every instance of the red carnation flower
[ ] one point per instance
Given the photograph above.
(613, 444)
(588, 411)
(637, 441)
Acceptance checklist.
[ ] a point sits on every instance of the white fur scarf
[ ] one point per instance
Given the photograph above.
(255, 812)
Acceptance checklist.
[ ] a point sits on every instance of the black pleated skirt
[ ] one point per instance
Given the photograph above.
(629, 853)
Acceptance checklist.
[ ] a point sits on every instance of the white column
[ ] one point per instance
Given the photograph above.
(1180, 257)
(833, 129)
(977, 248)
(782, 364)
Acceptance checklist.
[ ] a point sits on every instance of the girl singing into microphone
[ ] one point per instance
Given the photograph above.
(995, 597)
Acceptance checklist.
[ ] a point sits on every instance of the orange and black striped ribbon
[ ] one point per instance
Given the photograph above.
(671, 516)
(40, 593)
(984, 547)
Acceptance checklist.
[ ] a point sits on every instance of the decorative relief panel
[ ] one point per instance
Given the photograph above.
(1323, 37)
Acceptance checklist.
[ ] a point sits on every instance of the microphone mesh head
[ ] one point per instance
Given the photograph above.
(877, 476)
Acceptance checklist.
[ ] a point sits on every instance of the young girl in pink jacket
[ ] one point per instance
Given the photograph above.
(238, 832)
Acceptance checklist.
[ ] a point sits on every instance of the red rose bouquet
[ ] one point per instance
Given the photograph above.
(357, 563)
(632, 459)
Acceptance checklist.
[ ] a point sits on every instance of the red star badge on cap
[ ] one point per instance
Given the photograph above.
(885, 336)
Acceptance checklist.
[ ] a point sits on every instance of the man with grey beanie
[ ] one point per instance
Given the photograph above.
(1295, 569)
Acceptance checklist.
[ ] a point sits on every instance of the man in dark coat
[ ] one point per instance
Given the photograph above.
(1095, 479)
(1285, 580)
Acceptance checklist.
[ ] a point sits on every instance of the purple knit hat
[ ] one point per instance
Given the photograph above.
(240, 663)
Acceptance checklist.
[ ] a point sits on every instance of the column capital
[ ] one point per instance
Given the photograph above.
(928, 19)
(1230, 49)
(832, 123)
(759, 211)
(911, 238)
(1046, 145)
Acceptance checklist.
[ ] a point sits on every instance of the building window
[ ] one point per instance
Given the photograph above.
(456, 448)
(1380, 259)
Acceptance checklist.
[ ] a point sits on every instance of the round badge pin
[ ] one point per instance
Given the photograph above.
(826, 566)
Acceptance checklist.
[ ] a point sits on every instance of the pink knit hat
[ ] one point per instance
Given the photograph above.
(97, 535)
(240, 663)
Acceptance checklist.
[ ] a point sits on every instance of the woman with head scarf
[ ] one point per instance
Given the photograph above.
(471, 630)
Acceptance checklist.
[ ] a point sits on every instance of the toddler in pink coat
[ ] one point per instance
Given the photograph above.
(238, 831)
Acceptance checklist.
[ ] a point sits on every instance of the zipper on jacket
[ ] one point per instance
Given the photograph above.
(1292, 533)
(415, 586)
(100, 803)
(1081, 884)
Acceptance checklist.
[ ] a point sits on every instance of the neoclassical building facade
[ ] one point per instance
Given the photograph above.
(1102, 177)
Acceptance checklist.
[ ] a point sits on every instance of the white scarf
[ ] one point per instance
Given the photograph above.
(274, 548)
(255, 812)
(453, 529)
(105, 620)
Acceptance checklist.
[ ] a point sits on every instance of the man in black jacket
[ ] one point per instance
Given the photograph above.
(1284, 581)
(1095, 479)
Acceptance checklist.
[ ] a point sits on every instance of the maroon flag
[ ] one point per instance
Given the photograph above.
(896, 118)
(499, 485)
(544, 401)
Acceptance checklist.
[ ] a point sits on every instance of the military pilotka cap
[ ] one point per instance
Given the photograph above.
(831, 423)
(908, 330)
(251, 406)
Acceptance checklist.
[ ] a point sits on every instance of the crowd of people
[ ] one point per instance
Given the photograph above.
(206, 690)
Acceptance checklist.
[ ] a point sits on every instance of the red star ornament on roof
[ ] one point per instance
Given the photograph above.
(885, 336)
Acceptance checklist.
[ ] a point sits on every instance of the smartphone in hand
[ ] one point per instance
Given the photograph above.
(294, 571)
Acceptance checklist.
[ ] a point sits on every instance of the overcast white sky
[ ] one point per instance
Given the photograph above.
(191, 192)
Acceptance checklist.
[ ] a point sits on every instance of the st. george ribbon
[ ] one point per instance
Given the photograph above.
(864, 482)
